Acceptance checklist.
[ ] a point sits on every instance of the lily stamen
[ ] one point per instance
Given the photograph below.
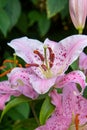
(5, 73)
(44, 67)
(32, 65)
(39, 54)
(3, 67)
(77, 122)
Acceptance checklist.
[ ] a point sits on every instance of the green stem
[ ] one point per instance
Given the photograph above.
(34, 113)
(14, 59)
(80, 30)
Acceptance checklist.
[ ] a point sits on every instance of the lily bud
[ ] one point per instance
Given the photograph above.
(78, 13)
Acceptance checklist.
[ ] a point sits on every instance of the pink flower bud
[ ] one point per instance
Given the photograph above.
(78, 13)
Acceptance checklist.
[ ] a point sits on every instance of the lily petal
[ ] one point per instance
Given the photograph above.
(40, 85)
(5, 93)
(20, 80)
(24, 48)
(76, 103)
(55, 98)
(3, 99)
(57, 121)
(66, 51)
(72, 77)
(83, 61)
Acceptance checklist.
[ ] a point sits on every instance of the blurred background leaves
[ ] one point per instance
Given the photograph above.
(36, 19)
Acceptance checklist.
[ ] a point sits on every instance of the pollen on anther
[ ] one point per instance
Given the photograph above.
(31, 65)
(39, 54)
(44, 67)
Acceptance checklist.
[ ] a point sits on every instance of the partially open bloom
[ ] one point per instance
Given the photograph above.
(78, 13)
(70, 111)
(83, 62)
(47, 61)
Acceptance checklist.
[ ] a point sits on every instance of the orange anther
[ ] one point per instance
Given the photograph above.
(6, 61)
(20, 65)
(44, 67)
(39, 54)
(4, 73)
(2, 67)
(32, 65)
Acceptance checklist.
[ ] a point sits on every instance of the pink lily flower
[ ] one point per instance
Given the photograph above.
(6, 92)
(70, 110)
(83, 62)
(72, 77)
(49, 60)
(78, 13)
(19, 80)
(14, 86)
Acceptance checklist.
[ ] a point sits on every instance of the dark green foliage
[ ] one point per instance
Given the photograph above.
(36, 19)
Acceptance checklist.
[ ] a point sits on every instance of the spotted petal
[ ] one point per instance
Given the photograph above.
(24, 48)
(72, 77)
(65, 52)
(83, 61)
(76, 103)
(20, 80)
(6, 92)
(57, 121)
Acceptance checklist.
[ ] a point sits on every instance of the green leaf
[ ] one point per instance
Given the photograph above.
(54, 6)
(33, 16)
(85, 92)
(74, 65)
(13, 9)
(43, 24)
(3, 3)
(65, 11)
(28, 124)
(22, 26)
(46, 110)
(14, 103)
(20, 112)
(35, 2)
(4, 22)
(42, 21)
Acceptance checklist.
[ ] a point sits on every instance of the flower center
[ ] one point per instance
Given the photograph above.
(47, 61)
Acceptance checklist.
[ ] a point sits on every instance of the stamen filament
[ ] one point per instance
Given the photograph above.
(2, 67)
(4, 73)
(20, 65)
(15, 61)
(10, 61)
(77, 122)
